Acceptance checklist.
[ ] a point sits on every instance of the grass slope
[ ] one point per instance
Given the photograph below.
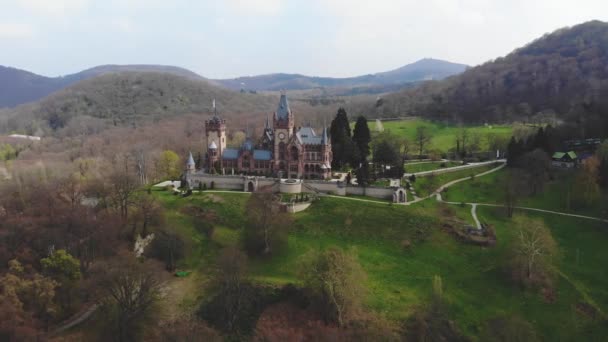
(443, 135)
(429, 166)
(426, 185)
(490, 189)
(476, 287)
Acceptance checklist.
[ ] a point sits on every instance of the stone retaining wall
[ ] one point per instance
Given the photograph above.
(252, 183)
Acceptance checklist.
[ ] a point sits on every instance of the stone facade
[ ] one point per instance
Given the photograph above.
(283, 150)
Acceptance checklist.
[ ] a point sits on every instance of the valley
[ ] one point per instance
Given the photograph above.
(431, 202)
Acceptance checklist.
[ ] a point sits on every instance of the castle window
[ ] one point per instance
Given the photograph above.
(294, 153)
(282, 150)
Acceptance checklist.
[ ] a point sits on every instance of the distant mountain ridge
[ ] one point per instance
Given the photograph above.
(20, 86)
(562, 75)
(422, 70)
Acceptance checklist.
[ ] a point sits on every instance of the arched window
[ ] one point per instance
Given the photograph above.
(246, 162)
(282, 150)
(306, 168)
(294, 153)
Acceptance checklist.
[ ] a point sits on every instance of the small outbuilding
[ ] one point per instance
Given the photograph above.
(564, 159)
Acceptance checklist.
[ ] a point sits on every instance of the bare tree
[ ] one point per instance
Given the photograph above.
(267, 225)
(132, 295)
(423, 137)
(335, 281)
(534, 251)
(123, 188)
(147, 212)
(514, 189)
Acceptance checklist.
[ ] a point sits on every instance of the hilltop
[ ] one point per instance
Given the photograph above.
(134, 98)
(20, 86)
(424, 69)
(561, 74)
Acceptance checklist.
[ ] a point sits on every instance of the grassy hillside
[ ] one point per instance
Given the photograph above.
(443, 135)
(20, 86)
(490, 189)
(475, 285)
(131, 98)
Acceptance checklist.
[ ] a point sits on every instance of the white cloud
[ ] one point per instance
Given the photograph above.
(256, 7)
(53, 7)
(13, 30)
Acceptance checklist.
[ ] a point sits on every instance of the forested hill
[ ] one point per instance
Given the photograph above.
(563, 73)
(424, 69)
(20, 86)
(128, 98)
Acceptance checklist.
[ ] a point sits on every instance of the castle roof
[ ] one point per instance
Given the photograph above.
(307, 136)
(262, 155)
(190, 161)
(230, 154)
(247, 145)
(283, 110)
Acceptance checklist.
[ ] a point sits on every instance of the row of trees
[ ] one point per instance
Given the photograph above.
(349, 148)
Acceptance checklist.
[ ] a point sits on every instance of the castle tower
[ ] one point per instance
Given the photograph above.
(190, 164)
(214, 157)
(326, 154)
(215, 131)
(283, 125)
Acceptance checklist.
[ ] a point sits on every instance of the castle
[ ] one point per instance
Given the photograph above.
(283, 151)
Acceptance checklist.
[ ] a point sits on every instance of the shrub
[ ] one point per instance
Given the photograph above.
(212, 185)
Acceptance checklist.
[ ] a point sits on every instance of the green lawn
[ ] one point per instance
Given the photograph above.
(426, 185)
(444, 135)
(490, 189)
(475, 285)
(429, 166)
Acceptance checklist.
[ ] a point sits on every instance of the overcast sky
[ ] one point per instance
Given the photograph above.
(228, 38)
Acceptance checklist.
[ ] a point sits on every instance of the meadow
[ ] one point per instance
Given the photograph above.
(476, 285)
(443, 135)
(556, 195)
(424, 186)
(429, 166)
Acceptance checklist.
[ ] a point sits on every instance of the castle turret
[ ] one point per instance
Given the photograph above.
(190, 164)
(215, 130)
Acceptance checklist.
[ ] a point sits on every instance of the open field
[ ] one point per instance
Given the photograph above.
(429, 166)
(475, 284)
(443, 135)
(424, 186)
(490, 189)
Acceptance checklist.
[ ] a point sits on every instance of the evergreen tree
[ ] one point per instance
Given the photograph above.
(512, 152)
(362, 138)
(342, 145)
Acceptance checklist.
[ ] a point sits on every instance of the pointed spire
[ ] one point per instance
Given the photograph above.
(283, 110)
(190, 164)
(267, 122)
(214, 109)
(325, 139)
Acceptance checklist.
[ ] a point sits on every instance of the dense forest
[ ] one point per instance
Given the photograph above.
(561, 75)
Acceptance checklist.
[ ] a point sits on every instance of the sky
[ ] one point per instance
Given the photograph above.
(230, 38)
